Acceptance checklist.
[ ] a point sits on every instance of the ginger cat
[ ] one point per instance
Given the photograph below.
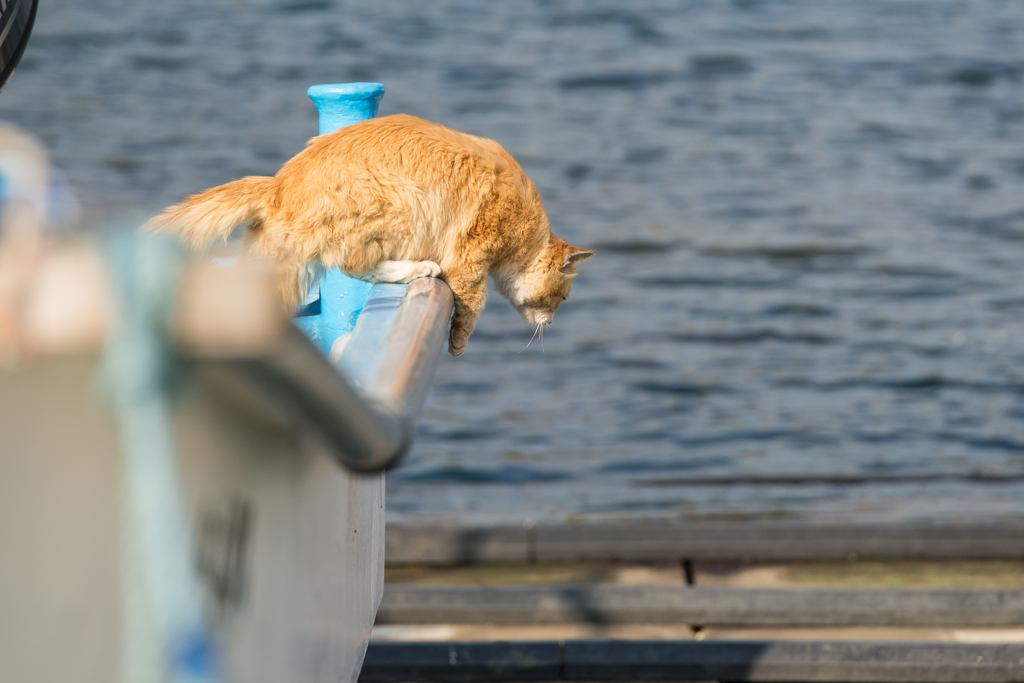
(392, 199)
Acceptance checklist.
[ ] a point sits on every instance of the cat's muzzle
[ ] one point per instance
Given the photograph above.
(536, 316)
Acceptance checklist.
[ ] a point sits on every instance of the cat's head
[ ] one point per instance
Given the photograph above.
(538, 290)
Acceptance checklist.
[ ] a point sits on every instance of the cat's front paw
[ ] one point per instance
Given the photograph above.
(457, 343)
(402, 272)
(456, 350)
(426, 269)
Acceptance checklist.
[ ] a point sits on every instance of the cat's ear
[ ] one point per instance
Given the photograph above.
(574, 256)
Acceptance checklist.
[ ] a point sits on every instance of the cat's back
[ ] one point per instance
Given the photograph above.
(410, 143)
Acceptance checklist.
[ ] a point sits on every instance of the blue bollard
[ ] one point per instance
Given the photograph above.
(342, 104)
(331, 309)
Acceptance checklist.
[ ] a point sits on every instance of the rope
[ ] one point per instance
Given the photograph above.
(166, 634)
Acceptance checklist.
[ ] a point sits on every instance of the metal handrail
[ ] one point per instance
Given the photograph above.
(413, 343)
(370, 429)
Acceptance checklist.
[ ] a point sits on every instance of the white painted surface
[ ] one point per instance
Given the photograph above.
(295, 604)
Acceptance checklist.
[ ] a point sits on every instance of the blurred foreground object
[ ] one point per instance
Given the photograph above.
(35, 205)
(181, 513)
(185, 510)
(16, 19)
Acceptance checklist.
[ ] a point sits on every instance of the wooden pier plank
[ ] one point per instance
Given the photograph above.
(608, 660)
(708, 606)
(445, 546)
(467, 661)
(772, 541)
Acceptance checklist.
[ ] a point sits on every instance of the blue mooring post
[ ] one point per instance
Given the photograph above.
(342, 104)
(331, 310)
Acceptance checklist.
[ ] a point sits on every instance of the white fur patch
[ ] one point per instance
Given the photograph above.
(511, 283)
(400, 272)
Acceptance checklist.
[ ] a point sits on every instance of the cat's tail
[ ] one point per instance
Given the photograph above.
(205, 217)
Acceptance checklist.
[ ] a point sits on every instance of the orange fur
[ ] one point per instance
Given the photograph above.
(397, 189)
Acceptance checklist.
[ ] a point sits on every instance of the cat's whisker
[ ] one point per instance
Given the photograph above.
(535, 331)
(542, 338)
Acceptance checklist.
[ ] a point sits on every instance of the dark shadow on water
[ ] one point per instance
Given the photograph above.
(613, 80)
(710, 281)
(791, 252)
(799, 310)
(832, 480)
(736, 436)
(683, 464)
(635, 246)
(923, 383)
(464, 388)
(756, 336)
(645, 155)
(304, 6)
(678, 388)
(504, 474)
(717, 67)
(160, 63)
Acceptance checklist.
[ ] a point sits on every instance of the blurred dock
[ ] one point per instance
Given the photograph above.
(701, 601)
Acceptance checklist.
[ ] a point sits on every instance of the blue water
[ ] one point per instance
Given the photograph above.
(808, 295)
